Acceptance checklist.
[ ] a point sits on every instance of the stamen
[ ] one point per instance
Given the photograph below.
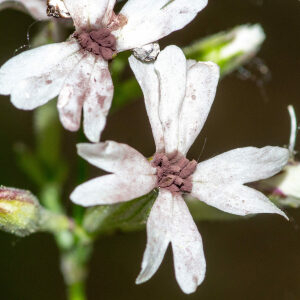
(174, 172)
(99, 42)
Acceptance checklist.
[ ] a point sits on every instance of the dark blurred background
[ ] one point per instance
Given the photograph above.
(257, 258)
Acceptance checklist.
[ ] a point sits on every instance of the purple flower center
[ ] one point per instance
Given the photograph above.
(99, 42)
(174, 172)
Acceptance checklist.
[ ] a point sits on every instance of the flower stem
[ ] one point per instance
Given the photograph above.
(76, 291)
(75, 252)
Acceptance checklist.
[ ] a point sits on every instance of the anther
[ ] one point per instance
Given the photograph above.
(99, 42)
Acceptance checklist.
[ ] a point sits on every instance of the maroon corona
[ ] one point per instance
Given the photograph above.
(174, 172)
(99, 42)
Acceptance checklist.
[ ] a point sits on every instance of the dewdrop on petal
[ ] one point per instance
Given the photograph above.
(147, 53)
(19, 211)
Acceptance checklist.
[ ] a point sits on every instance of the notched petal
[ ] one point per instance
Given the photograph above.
(116, 158)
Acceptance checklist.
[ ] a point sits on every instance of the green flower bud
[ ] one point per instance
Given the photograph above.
(19, 211)
(229, 49)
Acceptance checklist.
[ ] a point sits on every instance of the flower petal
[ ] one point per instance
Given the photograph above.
(190, 63)
(110, 189)
(74, 92)
(286, 182)
(171, 68)
(87, 13)
(148, 80)
(158, 235)
(109, 12)
(34, 63)
(234, 198)
(189, 259)
(202, 80)
(242, 165)
(35, 91)
(37, 8)
(149, 21)
(116, 158)
(98, 100)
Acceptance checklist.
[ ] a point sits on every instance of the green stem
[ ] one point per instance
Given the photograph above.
(75, 250)
(76, 291)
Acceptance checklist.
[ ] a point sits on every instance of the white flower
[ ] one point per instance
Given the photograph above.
(178, 96)
(246, 40)
(285, 184)
(77, 70)
(37, 8)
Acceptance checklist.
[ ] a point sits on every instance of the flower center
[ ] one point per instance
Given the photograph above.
(99, 42)
(174, 172)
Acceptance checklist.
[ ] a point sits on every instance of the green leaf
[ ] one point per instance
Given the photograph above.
(48, 133)
(128, 216)
(133, 215)
(168, 3)
(29, 164)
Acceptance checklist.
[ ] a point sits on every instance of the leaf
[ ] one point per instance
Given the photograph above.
(48, 133)
(29, 164)
(127, 216)
(133, 215)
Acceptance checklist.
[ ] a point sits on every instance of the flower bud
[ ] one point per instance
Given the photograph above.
(229, 49)
(285, 186)
(19, 211)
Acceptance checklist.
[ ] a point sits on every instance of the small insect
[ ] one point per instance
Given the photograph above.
(147, 53)
(57, 9)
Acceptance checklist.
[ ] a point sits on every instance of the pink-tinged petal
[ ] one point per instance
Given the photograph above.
(158, 235)
(109, 14)
(149, 21)
(87, 13)
(189, 259)
(242, 165)
(115, 158)
(74, 92)
(33, 63)
(234, 198)
(202, 80)
(286, 182)
(110, 189)
(35, 91)
(37, 8)
(98, 100)
(171, 68)
(148, 80)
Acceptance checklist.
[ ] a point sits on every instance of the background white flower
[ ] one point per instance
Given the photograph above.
(37, 8)
(178, 96)
(77, 70)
